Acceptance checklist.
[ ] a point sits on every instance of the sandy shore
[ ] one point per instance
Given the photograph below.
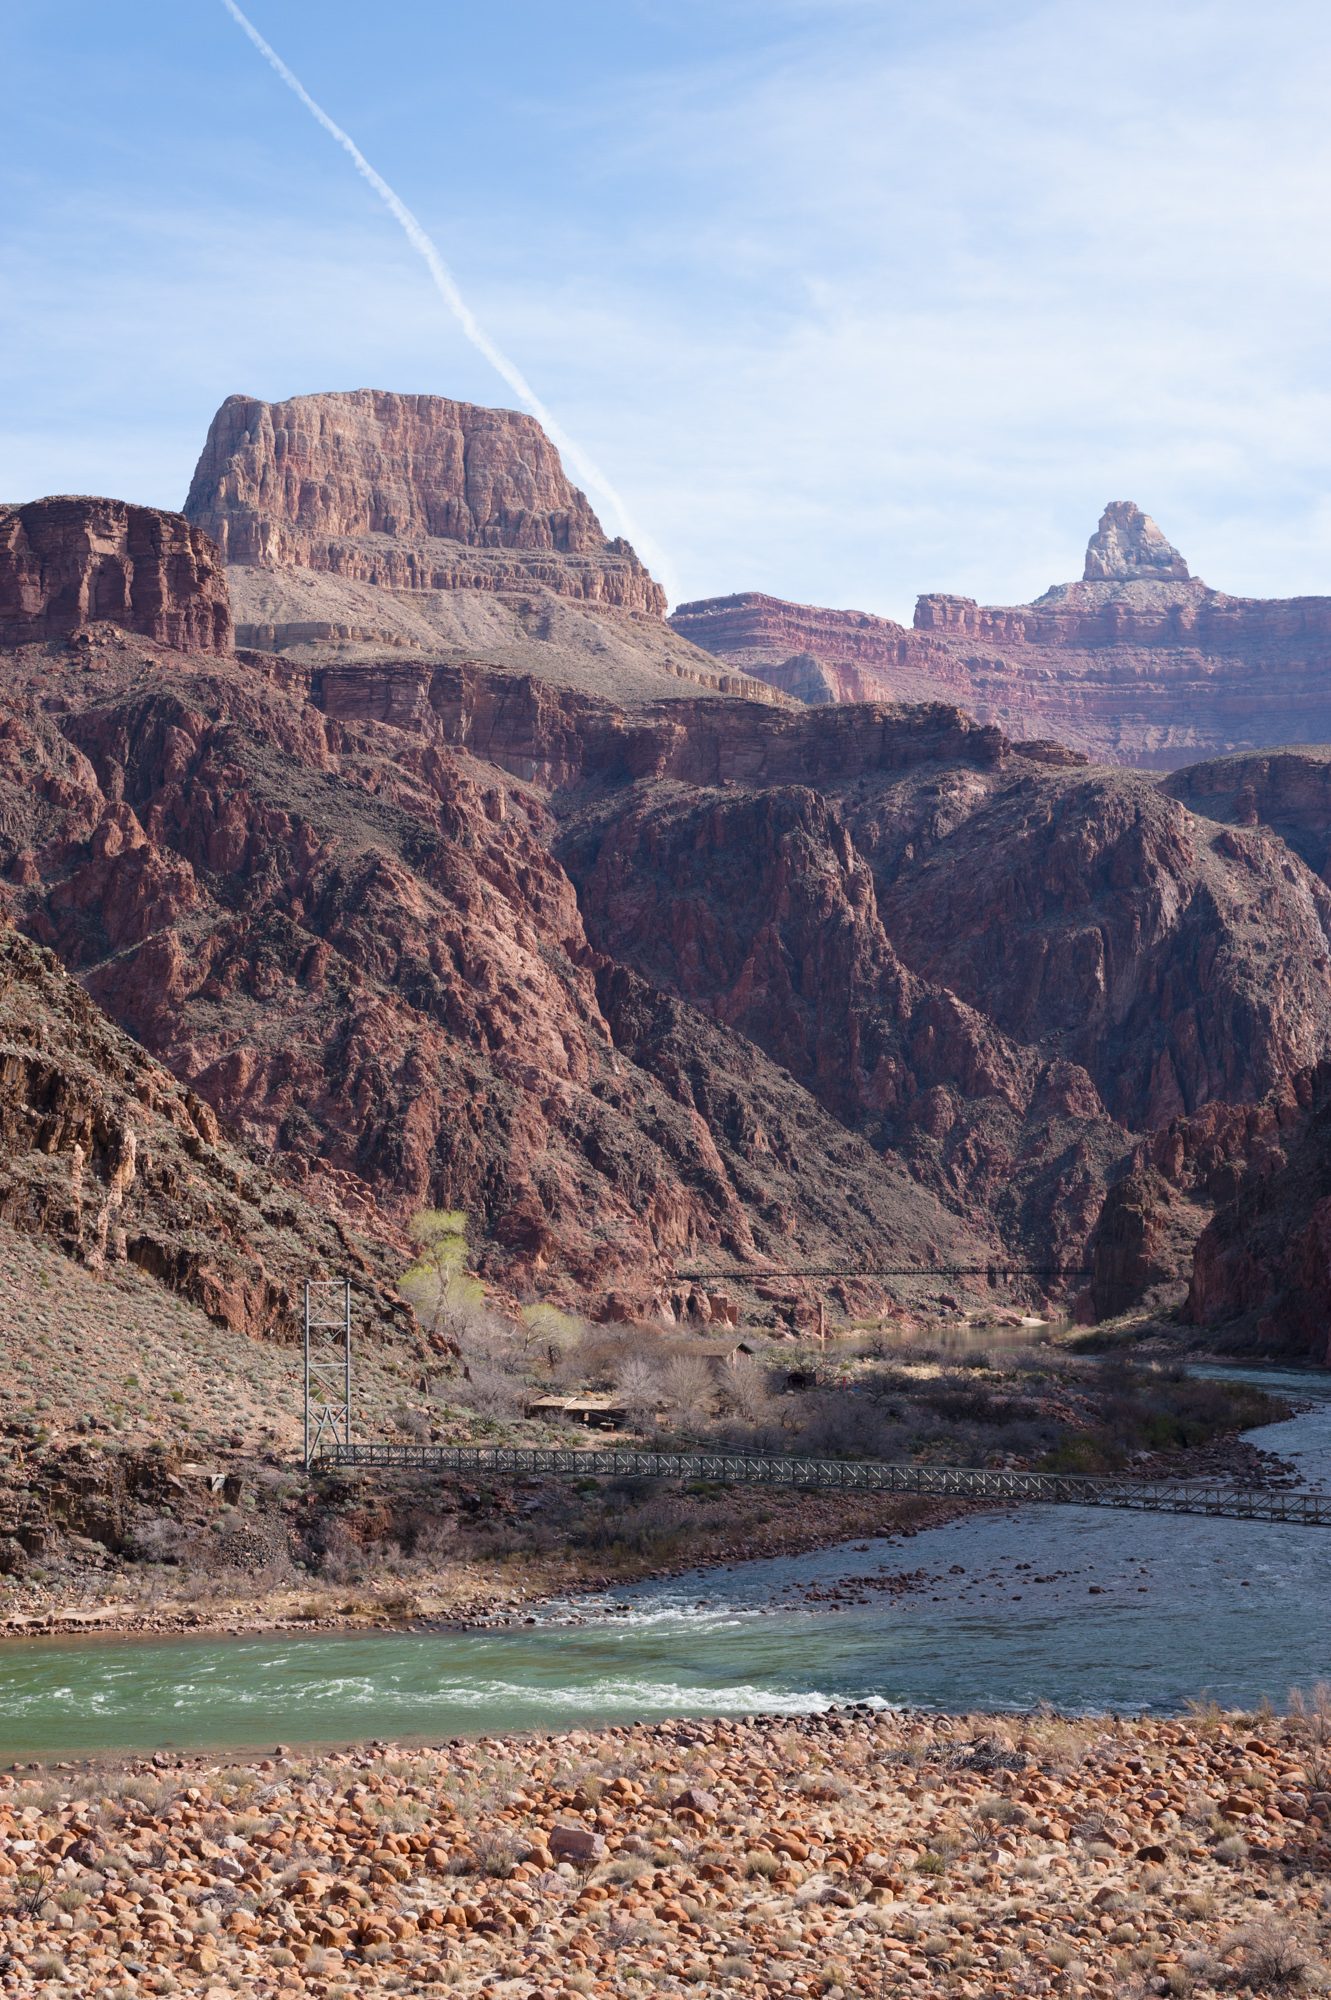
(839, 1855)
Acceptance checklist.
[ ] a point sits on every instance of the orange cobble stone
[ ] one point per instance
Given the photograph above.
(844, 1854)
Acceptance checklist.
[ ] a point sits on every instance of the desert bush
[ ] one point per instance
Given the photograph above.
(1273, 1961)
(995, 1810)
(493, 1852)
(1313, 1711)
(762, 1864)
(493, 1390)
(157, 1539)
(340, 1555)
(973, 1402)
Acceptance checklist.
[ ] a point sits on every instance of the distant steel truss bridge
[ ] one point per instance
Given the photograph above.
(995, 1273)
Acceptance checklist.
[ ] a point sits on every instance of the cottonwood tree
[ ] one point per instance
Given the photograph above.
(438, 1284)
(551, 1332)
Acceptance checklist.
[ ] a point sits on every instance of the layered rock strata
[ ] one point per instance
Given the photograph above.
(112, 1157)
(70, 562)
(1288, 791)
(352, 938)
(674, 984)
(1138, 663)
(363, 523)
(406, 492)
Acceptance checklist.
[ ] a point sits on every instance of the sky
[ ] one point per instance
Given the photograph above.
(847, 299)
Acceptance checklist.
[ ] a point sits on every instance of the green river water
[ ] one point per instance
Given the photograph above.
(1079, 1607)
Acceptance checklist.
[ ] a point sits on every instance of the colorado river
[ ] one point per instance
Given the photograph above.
(1082, 1608)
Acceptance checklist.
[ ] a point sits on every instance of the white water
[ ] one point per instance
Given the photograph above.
(1081, 1607)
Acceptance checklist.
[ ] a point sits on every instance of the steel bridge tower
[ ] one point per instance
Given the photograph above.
(327, 1364)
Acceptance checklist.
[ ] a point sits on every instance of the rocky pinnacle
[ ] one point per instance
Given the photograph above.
(1127, 547)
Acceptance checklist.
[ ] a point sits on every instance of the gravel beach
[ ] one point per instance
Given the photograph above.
(848, 1853)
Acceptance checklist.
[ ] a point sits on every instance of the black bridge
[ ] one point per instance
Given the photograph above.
(995, 1273)
(730, 1468)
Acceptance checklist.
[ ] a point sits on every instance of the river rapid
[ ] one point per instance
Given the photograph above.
(1082, 1608)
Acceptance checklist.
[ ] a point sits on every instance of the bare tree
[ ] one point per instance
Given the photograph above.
(690, 1388)
(638, 1386)
(744, 1385)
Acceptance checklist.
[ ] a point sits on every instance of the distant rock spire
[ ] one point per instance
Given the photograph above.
(1127, 547)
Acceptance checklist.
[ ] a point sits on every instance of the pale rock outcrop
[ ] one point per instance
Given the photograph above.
(1127, 547)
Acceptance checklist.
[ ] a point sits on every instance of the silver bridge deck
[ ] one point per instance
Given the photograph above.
(728, 1468)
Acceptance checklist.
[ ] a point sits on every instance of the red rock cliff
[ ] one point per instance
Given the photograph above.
(1137, 663)
(396, 490)
(1262, 1267)
(72, 561)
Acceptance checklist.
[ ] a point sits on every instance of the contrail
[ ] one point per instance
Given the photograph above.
(446, 286)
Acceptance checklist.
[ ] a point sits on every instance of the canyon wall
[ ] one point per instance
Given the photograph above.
(411, 493)
(112, 1157)
(69, 562)
(647, 986)
(352, 938)
(1262, 1266)
(1138, 663)
(367, 524)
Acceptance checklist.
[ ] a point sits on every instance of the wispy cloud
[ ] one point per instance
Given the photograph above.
(851, 301)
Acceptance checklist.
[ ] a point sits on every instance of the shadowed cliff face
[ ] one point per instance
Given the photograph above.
(1288, 791)
(1262, 1266)
(699, 981)
(1093, 918)
(997, 970)
(106, 1152)
(354, 942)
(1138, 663)
(1081, 917)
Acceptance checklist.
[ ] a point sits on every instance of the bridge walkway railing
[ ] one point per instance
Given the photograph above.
(730, 1468)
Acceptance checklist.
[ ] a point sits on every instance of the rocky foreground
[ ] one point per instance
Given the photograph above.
(846, 1854)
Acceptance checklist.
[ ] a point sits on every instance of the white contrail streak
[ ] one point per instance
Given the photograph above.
(446, 285)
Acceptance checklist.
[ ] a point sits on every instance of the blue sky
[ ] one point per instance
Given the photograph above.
(849, 298)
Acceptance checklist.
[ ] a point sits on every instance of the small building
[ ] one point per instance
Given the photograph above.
(598, 1413)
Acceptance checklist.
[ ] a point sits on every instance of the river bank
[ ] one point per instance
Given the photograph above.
(1080, 1608)
(835, 1855)
(370, 1552)
(474, 1596)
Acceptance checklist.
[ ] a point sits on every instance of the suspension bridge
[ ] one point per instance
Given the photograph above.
(329, 1447)
(846, 1475)
(996, 1274)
